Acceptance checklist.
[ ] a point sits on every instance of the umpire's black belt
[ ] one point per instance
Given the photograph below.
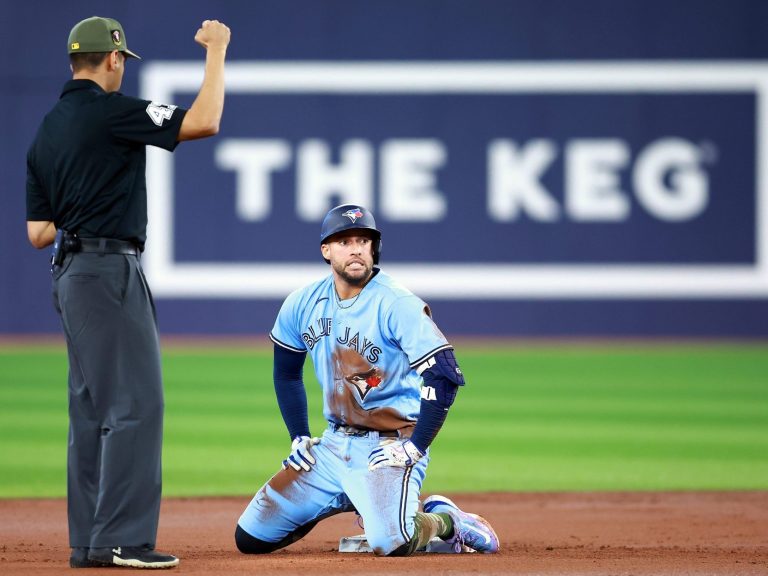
(352, 431)
(108, 246)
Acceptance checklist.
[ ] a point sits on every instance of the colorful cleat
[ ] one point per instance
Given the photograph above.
(469, 530)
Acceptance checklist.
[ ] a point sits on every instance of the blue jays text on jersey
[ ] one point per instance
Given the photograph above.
(363, 346)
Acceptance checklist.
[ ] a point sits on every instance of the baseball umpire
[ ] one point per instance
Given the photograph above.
(388, 377)
(86, 195)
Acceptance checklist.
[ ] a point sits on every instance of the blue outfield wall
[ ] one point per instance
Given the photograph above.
(537, 167)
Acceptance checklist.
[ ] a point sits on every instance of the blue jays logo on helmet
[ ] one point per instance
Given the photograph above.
(353, 214)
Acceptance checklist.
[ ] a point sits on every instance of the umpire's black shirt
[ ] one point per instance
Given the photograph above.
(85, 167)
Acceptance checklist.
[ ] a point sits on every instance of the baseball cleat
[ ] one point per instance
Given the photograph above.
(469, 530)
(132, 557)
(79, 559)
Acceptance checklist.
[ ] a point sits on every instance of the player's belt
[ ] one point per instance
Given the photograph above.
(108, 246)
(352, 431)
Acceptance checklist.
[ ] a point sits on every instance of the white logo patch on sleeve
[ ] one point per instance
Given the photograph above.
(160, 112)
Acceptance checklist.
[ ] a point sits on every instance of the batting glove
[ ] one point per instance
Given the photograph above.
(398, 453)
(300, 457)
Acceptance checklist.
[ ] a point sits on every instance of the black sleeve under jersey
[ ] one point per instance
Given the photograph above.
(143, 121)
(288, 376)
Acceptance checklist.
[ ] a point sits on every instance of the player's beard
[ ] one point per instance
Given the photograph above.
(358, 278)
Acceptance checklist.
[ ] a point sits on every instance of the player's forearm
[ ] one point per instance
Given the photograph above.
(204, 116)
(442, 380)
(292, 399)
(287, 374)
(431, 419)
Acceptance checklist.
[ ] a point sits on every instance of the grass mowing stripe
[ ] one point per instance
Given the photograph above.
(583, 473)
(643, 417)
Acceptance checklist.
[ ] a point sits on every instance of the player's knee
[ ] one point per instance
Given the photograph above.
(388, 544)
(405, 549)
(247, 544)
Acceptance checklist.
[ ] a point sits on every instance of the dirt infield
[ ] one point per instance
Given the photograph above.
(543, 534)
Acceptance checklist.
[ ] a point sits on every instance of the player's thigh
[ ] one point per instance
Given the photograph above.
(387, 499)
(291, 499)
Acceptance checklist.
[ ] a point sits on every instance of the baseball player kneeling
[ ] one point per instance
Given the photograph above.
(389, 377)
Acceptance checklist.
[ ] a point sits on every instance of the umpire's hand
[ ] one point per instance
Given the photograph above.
(213, 34)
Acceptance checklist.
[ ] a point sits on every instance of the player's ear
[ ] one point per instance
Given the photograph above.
(325, 250)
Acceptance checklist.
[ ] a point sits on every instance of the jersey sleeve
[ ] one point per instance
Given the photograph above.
(38, 204)
(411, 326)
(143, 121)
(286, 331)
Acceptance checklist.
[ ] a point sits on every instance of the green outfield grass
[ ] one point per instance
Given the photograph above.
(536, 418)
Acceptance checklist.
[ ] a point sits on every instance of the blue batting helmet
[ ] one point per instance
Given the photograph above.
(350, 217)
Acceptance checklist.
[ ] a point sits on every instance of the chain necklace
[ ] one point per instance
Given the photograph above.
(338, 300)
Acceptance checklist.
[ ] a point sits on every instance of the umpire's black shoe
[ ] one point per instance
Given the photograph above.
(132, 557)
(79, 559)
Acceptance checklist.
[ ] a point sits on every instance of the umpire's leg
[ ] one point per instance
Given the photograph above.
(82, 458)
(84, 427)
(108, 311)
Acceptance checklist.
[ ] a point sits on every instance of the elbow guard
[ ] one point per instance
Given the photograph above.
(442, 378)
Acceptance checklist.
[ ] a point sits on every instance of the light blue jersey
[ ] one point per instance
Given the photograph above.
(365, 349)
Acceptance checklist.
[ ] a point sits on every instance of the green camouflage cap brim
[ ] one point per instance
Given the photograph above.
(97, 34)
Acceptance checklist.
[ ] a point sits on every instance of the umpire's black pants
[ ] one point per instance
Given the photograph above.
(115, 400)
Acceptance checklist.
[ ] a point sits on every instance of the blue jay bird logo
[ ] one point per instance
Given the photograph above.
(353, 214)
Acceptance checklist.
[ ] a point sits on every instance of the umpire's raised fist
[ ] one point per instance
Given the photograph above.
(213, 34)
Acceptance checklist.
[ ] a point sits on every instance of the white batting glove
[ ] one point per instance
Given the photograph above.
(398, 453)
(300, 457)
